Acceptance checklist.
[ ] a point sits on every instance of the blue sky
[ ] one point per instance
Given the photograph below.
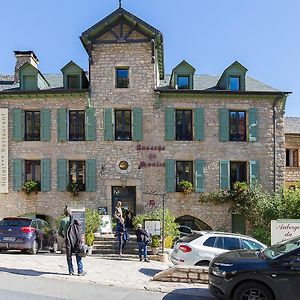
(263, 35)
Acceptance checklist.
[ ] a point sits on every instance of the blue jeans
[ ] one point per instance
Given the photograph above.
(142, 249)
(79, 263)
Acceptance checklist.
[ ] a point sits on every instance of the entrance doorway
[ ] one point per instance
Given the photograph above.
(127, 195)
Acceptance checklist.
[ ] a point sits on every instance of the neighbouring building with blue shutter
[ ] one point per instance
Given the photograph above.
(125, 129)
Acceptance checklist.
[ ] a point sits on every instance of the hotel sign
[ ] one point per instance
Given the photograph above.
(3, 150)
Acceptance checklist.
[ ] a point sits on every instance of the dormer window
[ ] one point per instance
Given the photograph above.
(73, 81)
(183, 82)
(122, 78)
(234, 83)
(29, 82)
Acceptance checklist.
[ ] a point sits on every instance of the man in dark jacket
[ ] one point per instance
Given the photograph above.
(69, 230)
(141, 238)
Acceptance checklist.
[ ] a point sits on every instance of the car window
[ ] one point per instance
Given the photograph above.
(189, 238)
(282, 248)
(15, 222)
(247, 244)
(210, 242)
(34, 224)
(219, 242)
(185, 230)
(231, 243)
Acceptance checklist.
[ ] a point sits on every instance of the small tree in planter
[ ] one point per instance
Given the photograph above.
(186, 186)
(30, 186)
(92, 224)
(155, 244)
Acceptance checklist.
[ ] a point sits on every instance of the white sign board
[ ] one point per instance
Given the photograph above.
(106, 226)
(152, 227)
(3, 150)
(284, 229)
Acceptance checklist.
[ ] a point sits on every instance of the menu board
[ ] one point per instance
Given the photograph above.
(79, 215)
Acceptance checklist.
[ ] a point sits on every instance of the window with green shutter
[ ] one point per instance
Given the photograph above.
(137, 124)
(253, 124)
(170, 124)
(108, 124)
(224, 175)
(91, 175)
(199, 124)
(61, 175)
(18, 124)
(170, 175)
(254, 171)
(45, 124)
(18, 174)
(199, 175)
(223, 124)
(62, 124)
(90, 126)
(46, 175)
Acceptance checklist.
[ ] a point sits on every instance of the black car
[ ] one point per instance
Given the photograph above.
(270, 274)
(27, 234)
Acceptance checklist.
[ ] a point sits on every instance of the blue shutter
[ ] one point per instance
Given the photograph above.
(169, 124)
(45, 124)
(108, 124)
(18, 165)
(199, 175)
(253, 124)
(170, 175)
(46, 175)
(61, 175)
(137, 124)
(62, 124)
(254, 171)
(224, 174)
(224, 124)
(18, 124)
(90, 124)
(91, 175)
(199, 124)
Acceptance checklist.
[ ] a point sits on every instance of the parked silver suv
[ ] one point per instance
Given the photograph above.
(200, 248)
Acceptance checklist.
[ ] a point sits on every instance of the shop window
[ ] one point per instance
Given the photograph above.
(32, 125)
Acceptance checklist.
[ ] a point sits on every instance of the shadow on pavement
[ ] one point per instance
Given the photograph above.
(189, 294)
(149, 272)
(27, 272)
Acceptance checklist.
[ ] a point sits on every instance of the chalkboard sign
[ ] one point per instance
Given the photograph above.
(79, 215)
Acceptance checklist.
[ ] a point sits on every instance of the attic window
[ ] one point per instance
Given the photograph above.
(234, 83)
(183, 82)
(73, 81)
(29, 82)
(122, 78)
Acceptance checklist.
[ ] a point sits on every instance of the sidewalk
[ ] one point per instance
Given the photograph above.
(126, 271)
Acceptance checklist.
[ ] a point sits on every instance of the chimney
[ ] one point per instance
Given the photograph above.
(23, 57)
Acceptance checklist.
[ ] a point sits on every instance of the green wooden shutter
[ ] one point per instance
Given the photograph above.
(46, 175)
(62, 124)
(137, 124)
(224, 124)
(108, 124)
(91, 175)
(199, 175)
(253, 124)
(224, 174)
(170, 175)
(61, 175)
(169, 124)
(18, 124)
(199, 124)
(45, 124)
(90, 124)
(18, 166)
(254, 171)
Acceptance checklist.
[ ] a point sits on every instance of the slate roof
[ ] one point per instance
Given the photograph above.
(292, 125)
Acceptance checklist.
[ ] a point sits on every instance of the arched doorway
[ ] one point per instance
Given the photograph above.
(192, 222)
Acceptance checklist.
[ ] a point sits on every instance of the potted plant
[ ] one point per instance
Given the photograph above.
(74, 188)
(155, 244)
(30, 186)
(186, 186)
(92, 224)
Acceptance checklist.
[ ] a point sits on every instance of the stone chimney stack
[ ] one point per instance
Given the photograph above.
(23, 57)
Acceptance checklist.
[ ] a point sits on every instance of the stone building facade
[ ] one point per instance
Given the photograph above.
(126, 131)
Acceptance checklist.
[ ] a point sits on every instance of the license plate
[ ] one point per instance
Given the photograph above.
(9, 238)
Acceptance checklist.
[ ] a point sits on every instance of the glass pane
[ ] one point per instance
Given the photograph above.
(238, 172)
(184, 171)
(122, 78)
(33, 171)
(234, 84)
(183, 82)
(32, 125)
(237, 126)
(184, 125)
(77, 125)
(73, 81)
(123, 125)
(77, 173)
(231, 243)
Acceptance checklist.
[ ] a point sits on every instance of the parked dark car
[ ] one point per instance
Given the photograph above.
(27, 234)
(270, 274)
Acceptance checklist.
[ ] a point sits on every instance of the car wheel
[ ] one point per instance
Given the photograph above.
(252, 291)
(203, 263)
(34, 248)
(55, 247)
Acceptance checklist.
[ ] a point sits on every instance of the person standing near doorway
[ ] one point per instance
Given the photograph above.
(118, 215)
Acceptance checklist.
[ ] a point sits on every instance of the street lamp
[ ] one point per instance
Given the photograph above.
(162, 195)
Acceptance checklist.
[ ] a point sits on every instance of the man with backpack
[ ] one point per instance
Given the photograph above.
(142, 239)
(69, 231)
